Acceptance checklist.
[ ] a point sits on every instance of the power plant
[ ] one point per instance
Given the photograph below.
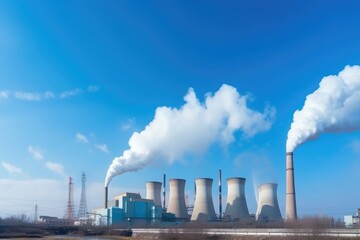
(236, 207)
(132, 207)
(268, 207)
(290, 212)
(203, 206)
(154, 205)
(177, 204)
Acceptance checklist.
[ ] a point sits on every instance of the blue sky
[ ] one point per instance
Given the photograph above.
(78, 78)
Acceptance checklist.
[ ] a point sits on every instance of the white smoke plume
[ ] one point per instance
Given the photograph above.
(192, 128)
(333, 107)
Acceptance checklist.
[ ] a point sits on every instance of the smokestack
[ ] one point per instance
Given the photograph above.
(177, 204)
(153, 192)
(290, 212)
(268, 206)
(236, 207)
(220, 196)
(164, 191)
(203, 206)
(106, 197)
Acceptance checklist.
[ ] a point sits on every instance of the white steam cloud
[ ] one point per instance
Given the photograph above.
(333, 107)
(192, 128)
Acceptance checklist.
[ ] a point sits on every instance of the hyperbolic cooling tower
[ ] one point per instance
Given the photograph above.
(290, 212)
(153, 192)
(203, 206)
(236, 207)
(268, 207)
(177, 204)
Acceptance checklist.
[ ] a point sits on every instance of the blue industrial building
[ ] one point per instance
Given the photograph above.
(128, 207)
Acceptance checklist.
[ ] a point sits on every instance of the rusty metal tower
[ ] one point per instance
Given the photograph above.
(70, 213)
(83, 206)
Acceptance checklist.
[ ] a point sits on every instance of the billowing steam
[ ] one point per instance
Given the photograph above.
(191, 129)
(333, 107)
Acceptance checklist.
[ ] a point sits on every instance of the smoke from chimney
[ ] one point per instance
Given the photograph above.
(333, 107)
(192, 128)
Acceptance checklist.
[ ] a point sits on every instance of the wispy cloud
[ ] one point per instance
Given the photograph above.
(102, 147)
(126, 126)
(93, 88)
(36, 96)
(28, 96)
(49, 94)
(11, 168)
(55, 167)
(4, 94)
(71, 93)
(81, 138)
(35, 153)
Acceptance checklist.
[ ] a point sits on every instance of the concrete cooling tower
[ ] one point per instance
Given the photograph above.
(177, 204)
(203, 206)
(268, 207)
(153, 192)
(236, 207)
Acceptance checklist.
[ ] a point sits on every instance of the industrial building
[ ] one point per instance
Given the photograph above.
(55, 221)
(131, 207)
(127, 207)
(352, 220)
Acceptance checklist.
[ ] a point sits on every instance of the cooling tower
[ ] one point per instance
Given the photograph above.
(153, 192)
(177, 204)
(203, 206)
(268, 207)
(236, 207)
(290, 212)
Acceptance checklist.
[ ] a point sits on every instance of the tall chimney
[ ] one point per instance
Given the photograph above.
(106, 197)
(164, 192)
(290, 212)
(220, 197)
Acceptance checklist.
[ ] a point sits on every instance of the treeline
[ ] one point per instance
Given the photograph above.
(16, 219)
